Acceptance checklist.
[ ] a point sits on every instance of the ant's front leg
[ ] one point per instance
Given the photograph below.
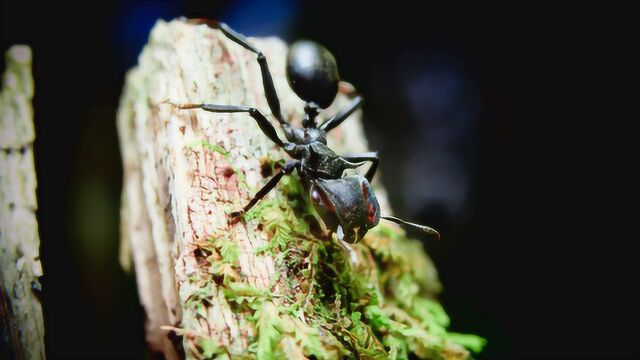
(262, 121)
(286, 169)
(267, 80)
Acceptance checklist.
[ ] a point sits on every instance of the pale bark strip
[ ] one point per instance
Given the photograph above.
(21, 322)
(182, 172)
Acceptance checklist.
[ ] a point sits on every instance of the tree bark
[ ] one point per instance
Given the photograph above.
(272, 285)
(21, 323)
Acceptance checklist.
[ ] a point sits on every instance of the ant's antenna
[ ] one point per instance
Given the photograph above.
(423, 228)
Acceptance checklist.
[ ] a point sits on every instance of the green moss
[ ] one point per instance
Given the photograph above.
(220, 150)
(209, 146)
(385, 309)
(210, 349)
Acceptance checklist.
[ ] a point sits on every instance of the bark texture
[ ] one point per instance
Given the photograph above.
(272, 285)
(21, 323)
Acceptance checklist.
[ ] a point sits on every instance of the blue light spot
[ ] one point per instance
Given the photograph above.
(261, 18)
(134, 21)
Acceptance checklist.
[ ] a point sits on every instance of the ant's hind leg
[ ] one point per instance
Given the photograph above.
(267, 80)
(287, 169)
(336, 120)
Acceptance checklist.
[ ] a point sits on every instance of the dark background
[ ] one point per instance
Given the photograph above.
(511, 128)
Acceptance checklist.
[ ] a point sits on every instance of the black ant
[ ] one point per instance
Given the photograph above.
(347, 205)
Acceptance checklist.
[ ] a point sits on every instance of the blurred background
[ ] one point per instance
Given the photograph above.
(512, 129)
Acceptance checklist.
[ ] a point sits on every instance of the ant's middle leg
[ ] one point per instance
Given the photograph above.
(262, 121)
(267, 80)
(336, 120)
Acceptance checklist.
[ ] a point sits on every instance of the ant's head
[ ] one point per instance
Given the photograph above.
(348, 203)
(312, 73)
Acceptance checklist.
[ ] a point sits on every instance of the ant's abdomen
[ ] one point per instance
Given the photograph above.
(312, 73)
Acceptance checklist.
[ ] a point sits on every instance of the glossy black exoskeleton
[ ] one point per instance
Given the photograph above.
(346, 204)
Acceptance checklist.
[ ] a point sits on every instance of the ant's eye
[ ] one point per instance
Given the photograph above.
(372, 213)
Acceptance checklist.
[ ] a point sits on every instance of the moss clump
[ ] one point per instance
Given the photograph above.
(384, 308)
